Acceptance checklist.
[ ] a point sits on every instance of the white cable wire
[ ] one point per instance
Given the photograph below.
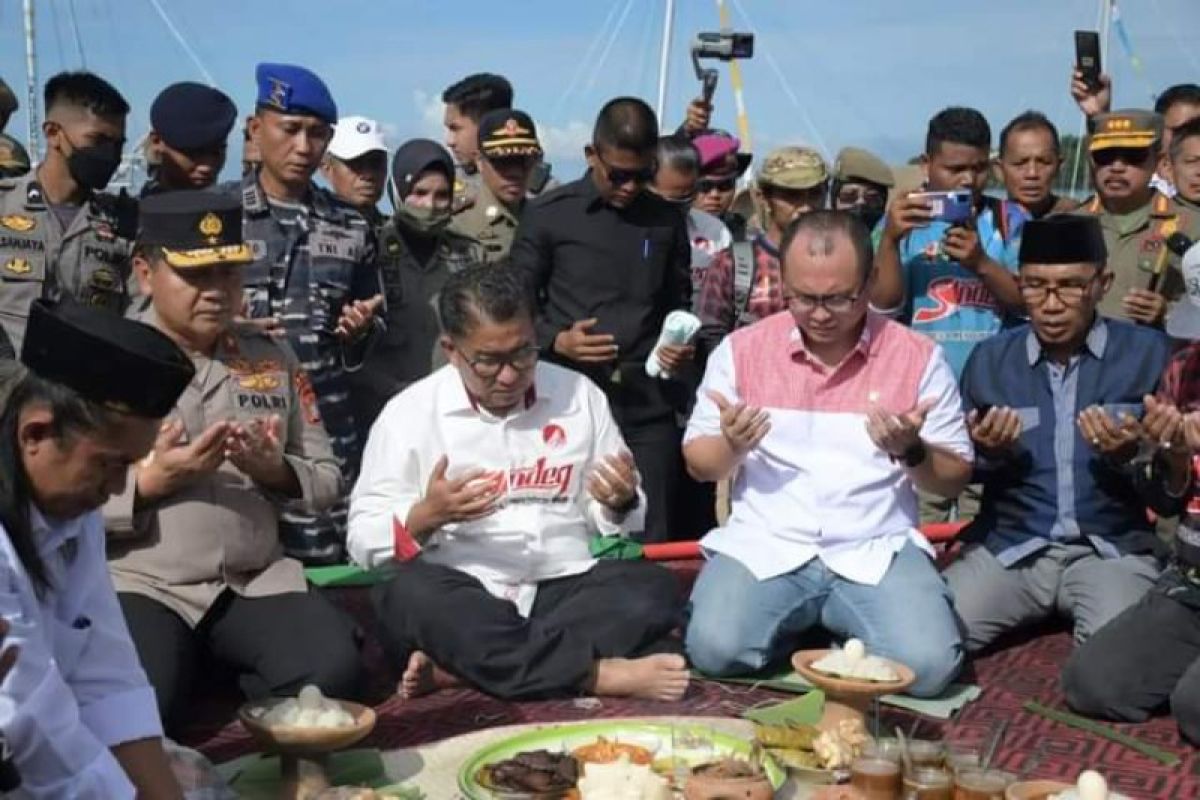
(587, 59)
(187, 49)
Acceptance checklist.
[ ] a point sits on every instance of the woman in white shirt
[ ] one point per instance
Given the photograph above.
(76, 711)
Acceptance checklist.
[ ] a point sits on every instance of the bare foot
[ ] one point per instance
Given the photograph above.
(658, 677)
(422, 677)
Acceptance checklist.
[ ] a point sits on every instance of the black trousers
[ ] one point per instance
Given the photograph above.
(617, 609)
(656, 450)
(276, 645)
(1142, 660)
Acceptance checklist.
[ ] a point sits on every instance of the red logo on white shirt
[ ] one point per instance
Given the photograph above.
(951, 294)
(554, 436)
(539, 477)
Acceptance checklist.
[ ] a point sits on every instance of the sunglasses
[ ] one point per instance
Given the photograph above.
(620, 177)
(1132, 156)
(706, 185)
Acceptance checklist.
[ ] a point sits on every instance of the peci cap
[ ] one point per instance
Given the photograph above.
(195, 228)
(192, 116)
(356, 136)
(290, 89)
(121, 364)
(1184, 320)
(1063, 239)
(856, 164)
(793, 168)
(507, 133)
(1132, 127)
(719, 156)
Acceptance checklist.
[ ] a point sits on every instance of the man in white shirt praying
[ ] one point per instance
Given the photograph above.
(828, 415)
(486, 481)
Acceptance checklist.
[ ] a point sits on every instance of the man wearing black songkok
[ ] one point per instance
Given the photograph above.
(1071, 448)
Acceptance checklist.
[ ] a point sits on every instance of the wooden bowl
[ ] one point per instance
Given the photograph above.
(305, 741)
(1035, 790)
(851, 690)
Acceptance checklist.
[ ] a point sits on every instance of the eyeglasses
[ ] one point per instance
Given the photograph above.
(489, 365)
(619, 177)
(833, 303)
(852, 195)
(1037, 291)
(706, 185)
(1130, 156)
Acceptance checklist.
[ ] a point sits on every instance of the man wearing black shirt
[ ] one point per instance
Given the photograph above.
(608, 261)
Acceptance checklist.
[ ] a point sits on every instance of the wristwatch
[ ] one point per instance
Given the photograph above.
(915, 455)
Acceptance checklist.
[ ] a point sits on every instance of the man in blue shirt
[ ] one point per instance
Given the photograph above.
(947, 281)
(1071, 448)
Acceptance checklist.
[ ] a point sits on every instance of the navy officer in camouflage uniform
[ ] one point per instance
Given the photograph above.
(314, 276)
(60, 234)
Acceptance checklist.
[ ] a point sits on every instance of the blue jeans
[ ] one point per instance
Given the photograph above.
(739, 624)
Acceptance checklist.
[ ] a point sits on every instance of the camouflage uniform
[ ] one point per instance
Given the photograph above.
(88, 260)
(309, 261)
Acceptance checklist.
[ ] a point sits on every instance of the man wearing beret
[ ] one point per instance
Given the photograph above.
(508, 152)
(189, 132)
(14, 159)
(1071, 448)
(861, 182)
(60, 234)
(193, 546)
(1123, 151)
(721, 164)
(314, 277)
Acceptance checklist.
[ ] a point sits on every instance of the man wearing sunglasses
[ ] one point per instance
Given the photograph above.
(508, 153)
(861, 182)
(608, 261)
(721, 165)
(1123, 152)
(1070, 446)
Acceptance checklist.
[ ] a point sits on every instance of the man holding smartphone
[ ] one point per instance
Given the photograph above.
(944, 276)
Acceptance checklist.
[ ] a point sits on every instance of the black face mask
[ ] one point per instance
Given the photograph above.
(870, 215)
(93, 167)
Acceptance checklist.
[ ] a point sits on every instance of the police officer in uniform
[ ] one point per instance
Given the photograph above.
(1137, 221)
(189, 134)
(508, 153)
(60, 234)
(314, 275)
(193, 540)
(417, 253)
(14, 158)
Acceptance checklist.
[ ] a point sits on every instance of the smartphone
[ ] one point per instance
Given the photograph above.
(1087, 57)
(953, 207)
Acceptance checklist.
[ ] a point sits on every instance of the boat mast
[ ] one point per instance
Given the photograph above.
(31, 83)
(664, 62)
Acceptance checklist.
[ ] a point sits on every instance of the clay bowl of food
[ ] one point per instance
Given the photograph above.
(290, 727)
(1035, 790)
(850, 674)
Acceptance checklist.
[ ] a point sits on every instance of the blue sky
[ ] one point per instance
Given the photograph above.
(864, 72)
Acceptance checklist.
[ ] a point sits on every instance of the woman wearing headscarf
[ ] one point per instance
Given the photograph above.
(417, 252)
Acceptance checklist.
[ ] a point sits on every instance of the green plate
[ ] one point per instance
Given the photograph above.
(557, 738)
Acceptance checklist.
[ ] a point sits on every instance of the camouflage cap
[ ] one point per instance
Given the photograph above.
(1131, 127)
(856, 164)
(793, 168)
(8, 100)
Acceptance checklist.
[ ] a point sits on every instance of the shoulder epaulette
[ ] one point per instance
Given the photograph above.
(1161, 206)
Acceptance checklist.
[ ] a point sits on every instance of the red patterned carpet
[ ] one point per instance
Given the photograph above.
(1010, 676)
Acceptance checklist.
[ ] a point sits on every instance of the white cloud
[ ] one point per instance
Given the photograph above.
(565, 143)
